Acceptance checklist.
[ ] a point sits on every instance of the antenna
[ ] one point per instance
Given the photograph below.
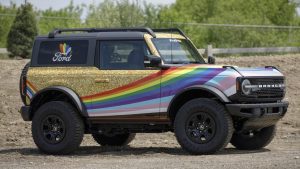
(171, 43)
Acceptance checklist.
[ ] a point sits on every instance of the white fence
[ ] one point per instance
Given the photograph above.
(3, 50)
(210, 51)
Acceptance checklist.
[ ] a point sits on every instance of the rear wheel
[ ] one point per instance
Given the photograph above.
(203, 126)
(113, 139)
(57, 128)
(255, 139)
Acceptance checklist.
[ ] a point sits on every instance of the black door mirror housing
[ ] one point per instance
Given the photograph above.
(155, 61)
(211, 60)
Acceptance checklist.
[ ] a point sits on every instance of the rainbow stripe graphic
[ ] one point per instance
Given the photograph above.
(64, 49)
(154, 93)
(30, 89)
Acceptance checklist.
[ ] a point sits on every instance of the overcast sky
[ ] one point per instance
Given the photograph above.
(56, 4)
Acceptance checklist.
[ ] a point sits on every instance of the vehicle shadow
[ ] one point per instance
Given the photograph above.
(121, 151)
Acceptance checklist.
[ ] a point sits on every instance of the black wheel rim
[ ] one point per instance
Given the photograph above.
(53, 129)
(200, 127)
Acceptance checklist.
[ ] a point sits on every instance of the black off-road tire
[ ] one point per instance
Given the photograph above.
(217, 115)
(114, 139)
(259, 139)
(66, 116)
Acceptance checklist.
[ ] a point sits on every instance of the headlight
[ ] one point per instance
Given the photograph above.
(246, 87)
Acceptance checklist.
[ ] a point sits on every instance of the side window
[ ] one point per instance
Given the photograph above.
(73, 52)
(123, 55)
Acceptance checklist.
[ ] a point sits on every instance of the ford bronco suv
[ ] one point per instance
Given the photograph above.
(113, 83)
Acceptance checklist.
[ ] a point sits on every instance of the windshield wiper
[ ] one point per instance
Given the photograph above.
(179, 62)
(183, 62)
(195, 62)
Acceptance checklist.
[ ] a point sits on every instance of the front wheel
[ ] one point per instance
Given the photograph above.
(113, 139)
(254, 139)
(203, 126)
(57, 128)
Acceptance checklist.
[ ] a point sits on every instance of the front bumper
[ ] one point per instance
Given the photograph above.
(256, 116)
(258, 110)
(25, 113)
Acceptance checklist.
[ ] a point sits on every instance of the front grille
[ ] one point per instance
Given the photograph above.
(269, 88)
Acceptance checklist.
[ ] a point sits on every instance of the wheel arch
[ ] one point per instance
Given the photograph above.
(57, 93)
(199, 91)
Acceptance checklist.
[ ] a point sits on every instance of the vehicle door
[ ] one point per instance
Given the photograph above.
(124, 86)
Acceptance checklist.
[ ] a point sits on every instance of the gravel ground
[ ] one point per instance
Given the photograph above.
(17, 149)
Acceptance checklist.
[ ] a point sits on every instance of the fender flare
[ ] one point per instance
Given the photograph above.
(70, 93)
(216, 92)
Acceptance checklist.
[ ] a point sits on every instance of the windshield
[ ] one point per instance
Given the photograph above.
(177, 51)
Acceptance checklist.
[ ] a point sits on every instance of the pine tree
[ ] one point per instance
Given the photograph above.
(23, 30)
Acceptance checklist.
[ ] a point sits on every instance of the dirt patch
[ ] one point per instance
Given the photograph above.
(149, 150)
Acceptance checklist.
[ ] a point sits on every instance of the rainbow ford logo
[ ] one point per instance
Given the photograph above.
(64, 54)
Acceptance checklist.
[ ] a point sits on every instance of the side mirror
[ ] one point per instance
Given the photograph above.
(155, 61)
(211, 60)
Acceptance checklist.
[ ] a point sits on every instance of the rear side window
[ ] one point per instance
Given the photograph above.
(67, 52)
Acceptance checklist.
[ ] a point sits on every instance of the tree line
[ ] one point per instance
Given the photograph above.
(202, 21)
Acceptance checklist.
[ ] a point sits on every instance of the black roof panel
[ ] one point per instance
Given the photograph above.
(98, 35)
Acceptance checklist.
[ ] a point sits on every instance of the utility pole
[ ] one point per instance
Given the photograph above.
(25, 1)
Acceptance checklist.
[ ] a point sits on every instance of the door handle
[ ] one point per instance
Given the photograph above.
(101, 80)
